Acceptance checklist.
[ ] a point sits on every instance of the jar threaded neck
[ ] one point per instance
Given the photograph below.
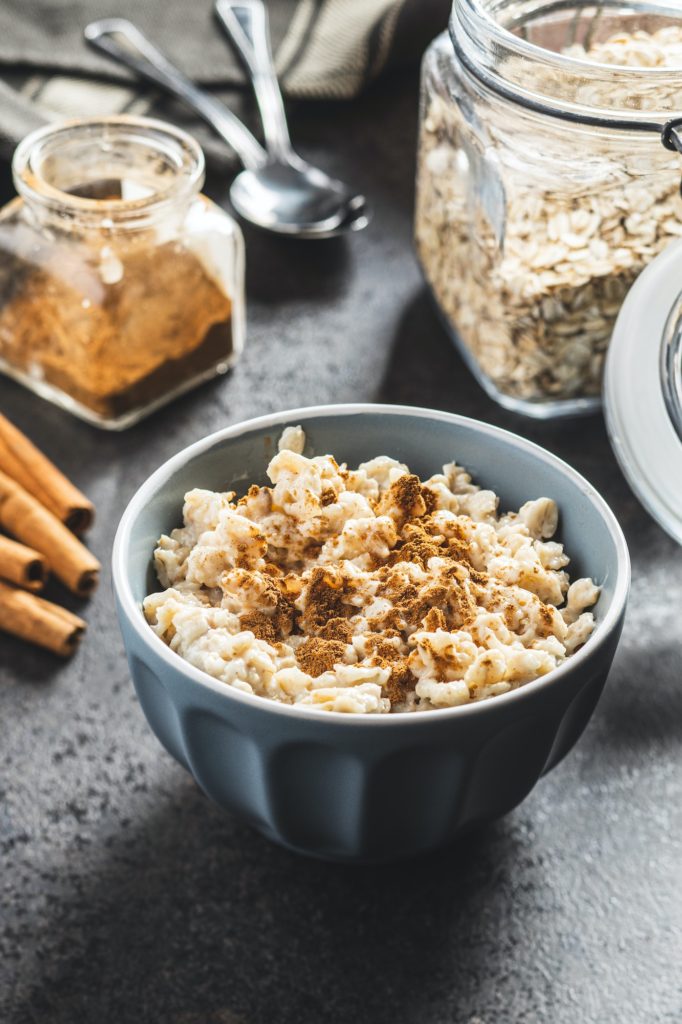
(123, 169)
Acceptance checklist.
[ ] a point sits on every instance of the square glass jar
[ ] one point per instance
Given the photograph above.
(543, 188)
(121, 284)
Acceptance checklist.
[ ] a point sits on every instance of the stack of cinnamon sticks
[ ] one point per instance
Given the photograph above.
(43, 512)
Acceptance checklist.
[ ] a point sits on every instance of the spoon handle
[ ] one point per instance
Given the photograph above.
(246, 24)
(122, 41)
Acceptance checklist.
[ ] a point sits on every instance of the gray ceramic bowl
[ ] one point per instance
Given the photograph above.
(353, 787)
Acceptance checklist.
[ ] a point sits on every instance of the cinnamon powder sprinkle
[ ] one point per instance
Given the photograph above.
(316, 656)
(401, 683)
(336, 629)
(261, 625)
(405, 496)
(326, 593)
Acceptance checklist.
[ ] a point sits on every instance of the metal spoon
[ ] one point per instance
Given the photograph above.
(306, 195)
(277, 191)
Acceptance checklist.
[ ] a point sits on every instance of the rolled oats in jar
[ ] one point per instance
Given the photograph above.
(543, 187)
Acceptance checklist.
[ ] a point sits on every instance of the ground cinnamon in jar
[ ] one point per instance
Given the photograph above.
(120, 284)
(163, 322)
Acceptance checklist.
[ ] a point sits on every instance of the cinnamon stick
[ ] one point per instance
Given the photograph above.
(38, 621)
(21, 460)
(32, 524)
(23, 566)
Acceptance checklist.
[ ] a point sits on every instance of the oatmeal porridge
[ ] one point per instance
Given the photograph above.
(367, 590)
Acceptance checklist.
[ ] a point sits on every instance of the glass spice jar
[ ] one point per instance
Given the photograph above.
(542, 186)
(121, 285)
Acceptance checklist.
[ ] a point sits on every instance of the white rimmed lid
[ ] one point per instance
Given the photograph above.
(643, 389)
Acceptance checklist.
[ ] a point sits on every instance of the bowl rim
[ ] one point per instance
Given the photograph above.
(155, 482)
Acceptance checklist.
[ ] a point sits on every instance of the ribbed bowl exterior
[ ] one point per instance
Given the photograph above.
(361, 794)
(352, 788)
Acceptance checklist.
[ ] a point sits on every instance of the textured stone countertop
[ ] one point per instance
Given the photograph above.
(128, 898)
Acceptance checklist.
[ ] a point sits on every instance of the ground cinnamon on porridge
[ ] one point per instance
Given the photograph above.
(367, 590)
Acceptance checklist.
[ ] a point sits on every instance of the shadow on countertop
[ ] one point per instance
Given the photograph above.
(194, 919)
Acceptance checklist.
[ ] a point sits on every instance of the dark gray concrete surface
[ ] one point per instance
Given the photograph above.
(128, 898)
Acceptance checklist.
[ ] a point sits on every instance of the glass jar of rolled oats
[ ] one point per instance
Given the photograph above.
(543, 187)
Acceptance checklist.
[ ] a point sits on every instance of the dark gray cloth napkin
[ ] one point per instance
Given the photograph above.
(325, 49)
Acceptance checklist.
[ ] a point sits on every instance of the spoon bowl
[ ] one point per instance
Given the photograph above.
(297, 199)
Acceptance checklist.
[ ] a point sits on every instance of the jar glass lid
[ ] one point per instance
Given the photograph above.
(643, 389)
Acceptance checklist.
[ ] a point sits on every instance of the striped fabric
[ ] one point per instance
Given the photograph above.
(324, 49)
